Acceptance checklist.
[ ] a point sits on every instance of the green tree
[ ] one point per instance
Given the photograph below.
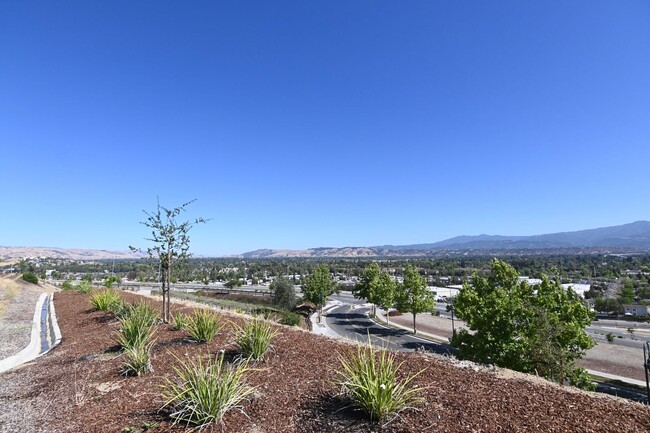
(627, 293)
(413, 296)
(30, 277)
(531, 329)
(171, 243)
(377, 286)
(283, 293)
(318, 286)
(232, 283)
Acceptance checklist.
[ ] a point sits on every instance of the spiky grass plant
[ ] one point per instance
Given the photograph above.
(179, 321)
(205, 390)
(369, 379)
(104, 300)
(137, 326)
(203, 325)
(137, 358)
(84, 287)
(121, 309)
(254, 338)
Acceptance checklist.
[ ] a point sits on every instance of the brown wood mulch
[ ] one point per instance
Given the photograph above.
(78, 388)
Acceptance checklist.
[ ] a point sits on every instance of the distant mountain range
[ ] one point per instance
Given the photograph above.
(7, 253)
(633, 237)
(628, 237)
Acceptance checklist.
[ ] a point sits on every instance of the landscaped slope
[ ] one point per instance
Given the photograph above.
(78, 387)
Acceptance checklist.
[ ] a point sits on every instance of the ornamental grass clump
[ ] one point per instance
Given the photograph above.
(254, 338)
(104, 300)
(84, 287)
(179, 321)
(369, 379)
(203, 325)
(136, 333)
(205, 390)
(137, 326)
(137, 358)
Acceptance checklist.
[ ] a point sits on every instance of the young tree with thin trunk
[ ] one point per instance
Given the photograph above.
(318, 286)
(378, 287)
(171, 243)
(413, 296)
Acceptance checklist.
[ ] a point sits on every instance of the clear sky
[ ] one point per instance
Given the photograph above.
(301, 124)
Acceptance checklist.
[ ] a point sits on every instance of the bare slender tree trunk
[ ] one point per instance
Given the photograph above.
(414, 330)
(163, 287)
(169, 282)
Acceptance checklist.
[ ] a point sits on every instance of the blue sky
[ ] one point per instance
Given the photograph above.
(321, 123)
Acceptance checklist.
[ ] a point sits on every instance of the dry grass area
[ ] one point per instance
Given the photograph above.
(78, 387)
(17, 304)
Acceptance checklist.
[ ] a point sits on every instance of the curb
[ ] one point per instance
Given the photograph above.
(422, 334)
(628, 380)
(45, 334)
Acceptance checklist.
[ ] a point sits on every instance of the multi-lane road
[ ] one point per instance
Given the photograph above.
(350, 320)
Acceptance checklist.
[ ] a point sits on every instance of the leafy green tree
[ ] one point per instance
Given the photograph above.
(377, 286)
(627, 293)
(526, 328)
(318, 286)
(232, 283)
(413, 296)
(30, 277)
(171, 243)
(283, 293)
(608, 305)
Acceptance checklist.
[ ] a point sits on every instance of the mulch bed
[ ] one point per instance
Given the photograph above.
(78, 388)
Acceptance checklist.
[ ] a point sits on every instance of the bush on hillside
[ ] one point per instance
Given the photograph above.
(30, 277)
(283, 293)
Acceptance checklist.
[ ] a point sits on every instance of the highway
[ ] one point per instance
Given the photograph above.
(349, 319)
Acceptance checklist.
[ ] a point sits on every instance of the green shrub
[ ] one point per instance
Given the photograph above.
(66, 286)
(204, 391)
(283, 293)
(121, 309)
(291, 319)
(203, 325)
(137, 327)
(84, 287)
(254, 338)
(144, 312)
(104, 299)
(137, 358)
(179, 321)
(610, 337)
(30, 277)
(370, 381)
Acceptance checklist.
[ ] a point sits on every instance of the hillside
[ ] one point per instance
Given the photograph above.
(7, 253)
(78, 387)
(624, 238)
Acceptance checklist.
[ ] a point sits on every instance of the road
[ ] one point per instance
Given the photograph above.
(350, 320)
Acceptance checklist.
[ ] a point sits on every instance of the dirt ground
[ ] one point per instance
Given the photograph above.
(78, 387)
